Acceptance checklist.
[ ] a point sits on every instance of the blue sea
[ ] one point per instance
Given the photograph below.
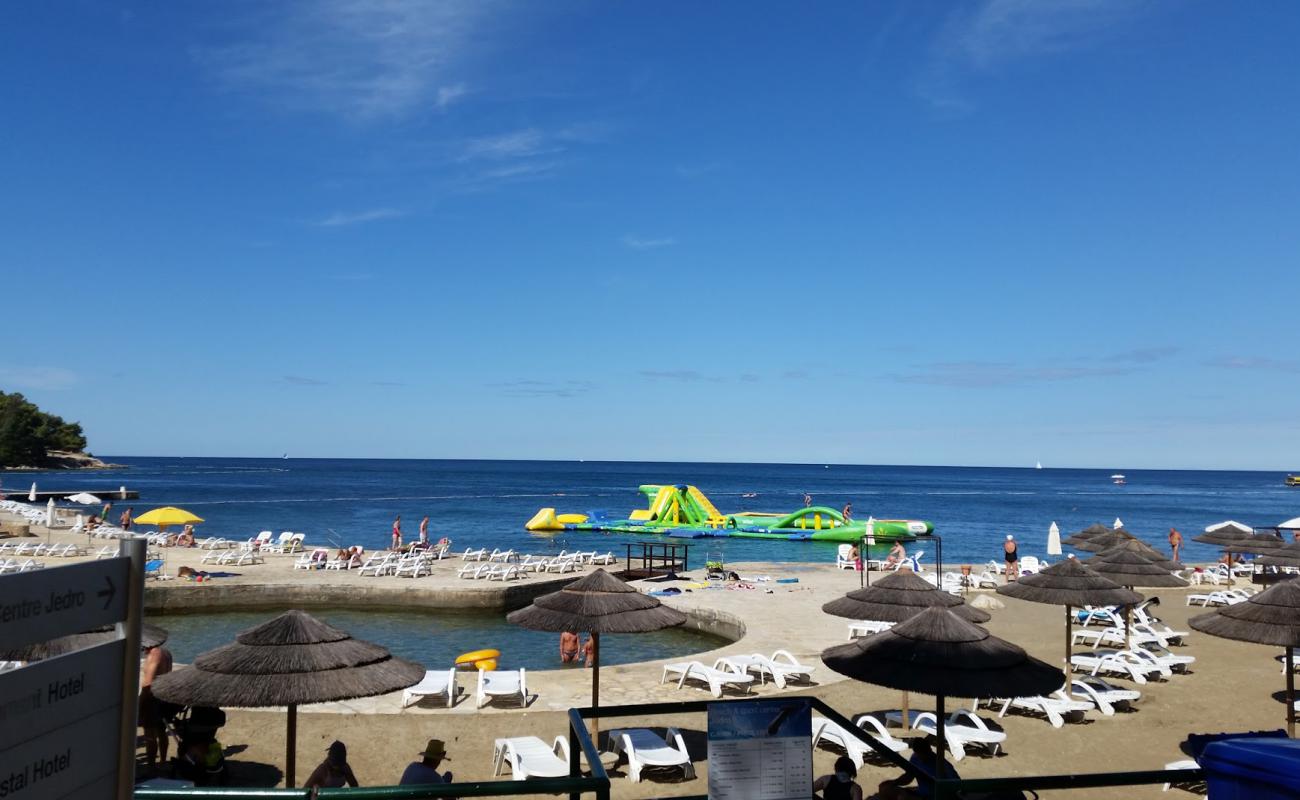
(486, 503)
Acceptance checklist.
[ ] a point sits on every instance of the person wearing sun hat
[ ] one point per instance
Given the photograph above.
(426, 769)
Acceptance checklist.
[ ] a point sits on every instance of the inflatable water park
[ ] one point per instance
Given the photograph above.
(684, 511)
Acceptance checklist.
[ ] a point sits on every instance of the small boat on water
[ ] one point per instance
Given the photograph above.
(1293, 480)
(1038, 465)
(1118, 480)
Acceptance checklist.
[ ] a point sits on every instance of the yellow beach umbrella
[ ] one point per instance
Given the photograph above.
(167, 515)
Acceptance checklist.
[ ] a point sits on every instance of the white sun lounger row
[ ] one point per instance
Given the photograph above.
(10, 566)
(963, 730)
(41, 549)
(823, 730)
(530, 757)
(780, 667)
(720, 675)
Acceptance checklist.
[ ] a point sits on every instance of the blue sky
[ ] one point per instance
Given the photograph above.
(882, 232)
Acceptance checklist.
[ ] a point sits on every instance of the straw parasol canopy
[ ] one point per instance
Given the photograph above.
(1224, 533)
(1141, 548)
(1259, 544)
(1069, 583)
(287, 661)
(595, 604)
(1095, 529)
(1271, 617)
(937, 652)
(1129, 568)
(150, 636)
(1284, 556)
(1105, 541)
(898, 597)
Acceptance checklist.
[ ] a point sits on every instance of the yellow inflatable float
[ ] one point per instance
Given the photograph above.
(478, 659)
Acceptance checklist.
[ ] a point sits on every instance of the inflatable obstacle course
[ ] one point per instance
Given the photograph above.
(684, 511)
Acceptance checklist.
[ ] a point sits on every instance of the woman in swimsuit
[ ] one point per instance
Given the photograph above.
(1012, 557)
(397, 533)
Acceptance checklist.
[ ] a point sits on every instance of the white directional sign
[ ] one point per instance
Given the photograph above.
(64, 762)
(47, 603)
(47, 695)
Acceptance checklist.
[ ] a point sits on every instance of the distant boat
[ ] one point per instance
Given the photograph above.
(1293, 480)
(1118, 479)
(1038, 465)
(286, 455)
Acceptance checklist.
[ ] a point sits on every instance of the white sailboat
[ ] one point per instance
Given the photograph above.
(1038, 465)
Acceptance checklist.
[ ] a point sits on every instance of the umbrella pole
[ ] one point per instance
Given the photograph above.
(291, 748)
(906, 723)
(1290, 693)
(1069, 646)
(595, 686)
(938, 750)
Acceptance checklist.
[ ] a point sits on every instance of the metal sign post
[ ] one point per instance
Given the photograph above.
(67, 724)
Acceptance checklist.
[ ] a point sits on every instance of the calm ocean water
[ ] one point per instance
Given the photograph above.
(346, 501)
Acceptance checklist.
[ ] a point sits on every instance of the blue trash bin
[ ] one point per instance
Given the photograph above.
(1252, 769)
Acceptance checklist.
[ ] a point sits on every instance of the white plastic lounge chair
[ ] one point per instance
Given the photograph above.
(474, 555)
(866, 627)
(842, 559)
(607, 558)
(963, 730)
(412, 567)
(1162, 656)
(1029, 565)
(823, 730)
(506, 572)
(1115, 662)
(781, 667)
(442, 682)
(474, 571)
(562, 564)
(1055, 707)
(378, 565)
(501, 683)
(1208, 599)
(1102, 695)
(1113, 636)
(714, 677)
(1104, 615)
(501, 555)
(645, 748)
(529, 757)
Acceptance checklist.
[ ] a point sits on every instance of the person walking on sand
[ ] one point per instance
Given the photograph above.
(397, 533)
(157, 662)
(569, 647)
(124, 521)
(1012, 558)
(425, 771)
(424, 531)
(334, 772)
(1175, 541)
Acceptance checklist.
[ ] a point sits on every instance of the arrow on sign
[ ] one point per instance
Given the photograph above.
(108, 593)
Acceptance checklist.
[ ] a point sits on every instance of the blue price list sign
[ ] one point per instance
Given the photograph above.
(760, 750)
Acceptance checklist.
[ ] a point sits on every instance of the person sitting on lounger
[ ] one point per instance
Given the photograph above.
(923, 758)
(186, 538)
(897, 555)
(842, 785)
(425, 770)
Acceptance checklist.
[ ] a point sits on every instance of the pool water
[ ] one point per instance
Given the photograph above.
(435, 637)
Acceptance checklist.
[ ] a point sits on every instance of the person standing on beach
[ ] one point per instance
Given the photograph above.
(424, 531)
(1012, 558)
(124, 521)
(104, 515)
(589, 652)
(569, 647)
(157, 661)
(397, 533)
(1175, 541)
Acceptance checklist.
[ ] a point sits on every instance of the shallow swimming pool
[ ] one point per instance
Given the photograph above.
(435, 637)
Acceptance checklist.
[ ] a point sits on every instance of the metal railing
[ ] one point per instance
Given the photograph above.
(597, 782)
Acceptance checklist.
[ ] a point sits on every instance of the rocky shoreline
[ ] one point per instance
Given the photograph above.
(64, 460)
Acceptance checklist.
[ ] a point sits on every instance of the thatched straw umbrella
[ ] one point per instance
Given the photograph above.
(1128, 567)
(1069, 583)
(898, 597)
(937, 652)
(1226, 536)
(1271, 617)
(1142, 549)
(288, 661)
(1285, 556)
(150, 636)
(595, 604)
(1107, 540)
(1093, 530)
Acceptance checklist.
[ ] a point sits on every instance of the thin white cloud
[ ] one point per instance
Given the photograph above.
(523, 143)
(38, 378)
(640, 243)
(341, 219)
(358, 59)
(1263, 363)
(991, 34)
(991, 374)
(450, 94)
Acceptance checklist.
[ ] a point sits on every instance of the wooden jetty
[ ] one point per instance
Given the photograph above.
(25, 495)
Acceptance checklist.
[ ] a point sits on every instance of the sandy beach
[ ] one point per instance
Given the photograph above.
(1231, 687)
